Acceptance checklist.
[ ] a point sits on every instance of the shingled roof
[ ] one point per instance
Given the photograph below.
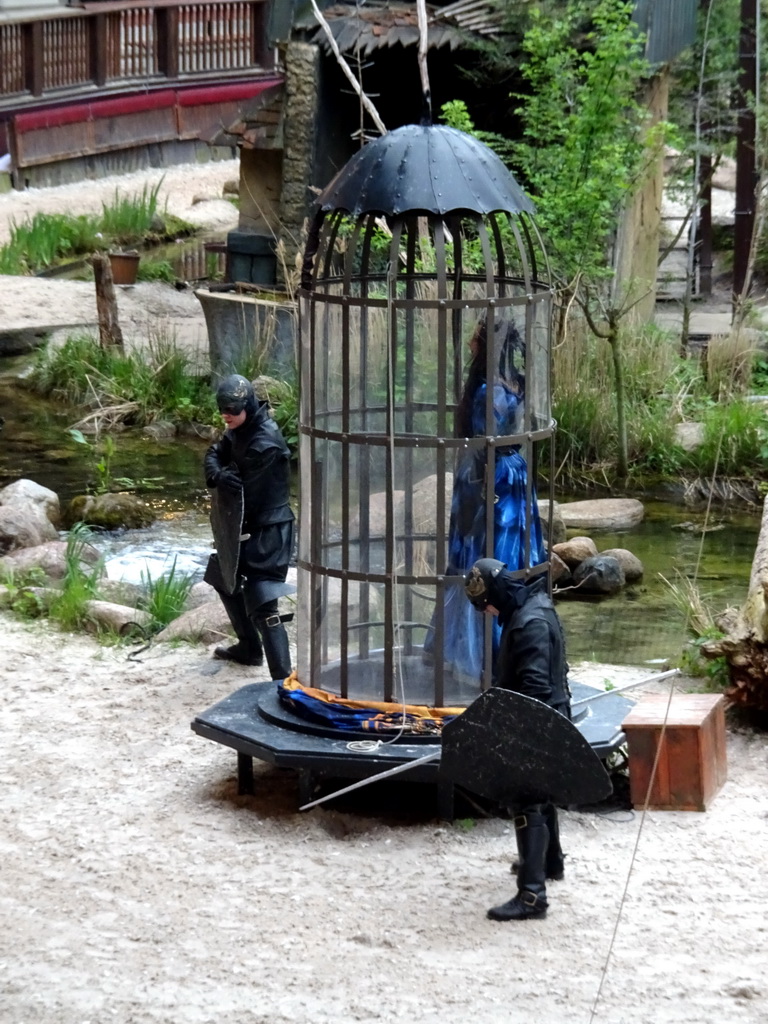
(379, 24)
(483, 17)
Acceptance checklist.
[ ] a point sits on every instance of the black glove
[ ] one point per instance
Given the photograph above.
(229, 480)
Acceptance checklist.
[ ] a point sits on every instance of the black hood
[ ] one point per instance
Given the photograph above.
(256, 411)
(508, 594)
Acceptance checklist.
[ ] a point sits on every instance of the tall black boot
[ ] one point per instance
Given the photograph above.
(532, 837)
(275, 642)
(555, 862)
(247, 650)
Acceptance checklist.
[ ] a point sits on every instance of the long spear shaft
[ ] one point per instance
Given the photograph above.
(374, 778)
(627, 686)
(436, 753)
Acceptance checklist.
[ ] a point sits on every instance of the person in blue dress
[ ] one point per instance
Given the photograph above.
(464, 626)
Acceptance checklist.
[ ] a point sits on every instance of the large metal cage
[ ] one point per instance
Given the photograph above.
(422, 244)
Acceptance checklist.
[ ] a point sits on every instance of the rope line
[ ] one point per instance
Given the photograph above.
(396, 617)
(654, 767)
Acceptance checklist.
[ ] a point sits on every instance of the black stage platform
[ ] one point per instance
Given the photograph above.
(254, 723)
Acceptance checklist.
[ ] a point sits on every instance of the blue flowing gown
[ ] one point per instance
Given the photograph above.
(463, 644)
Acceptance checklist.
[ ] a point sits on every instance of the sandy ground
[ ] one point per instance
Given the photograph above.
(138, 887)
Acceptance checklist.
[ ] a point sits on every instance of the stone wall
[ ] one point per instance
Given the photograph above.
(302, 62)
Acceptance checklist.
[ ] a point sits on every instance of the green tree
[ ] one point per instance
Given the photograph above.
(586, 149)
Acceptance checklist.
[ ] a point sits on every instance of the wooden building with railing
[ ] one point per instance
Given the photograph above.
(113, 85)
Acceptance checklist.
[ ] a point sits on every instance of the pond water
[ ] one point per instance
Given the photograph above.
(34, 442)
(641, 626)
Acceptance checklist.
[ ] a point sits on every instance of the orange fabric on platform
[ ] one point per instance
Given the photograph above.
(417, 710)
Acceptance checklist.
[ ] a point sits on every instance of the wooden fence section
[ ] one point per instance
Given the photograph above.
(115, 47)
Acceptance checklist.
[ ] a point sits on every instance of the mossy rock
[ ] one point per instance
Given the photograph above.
(119, 511)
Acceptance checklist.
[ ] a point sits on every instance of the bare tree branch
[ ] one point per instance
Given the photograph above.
(347, 70)
(421, 8)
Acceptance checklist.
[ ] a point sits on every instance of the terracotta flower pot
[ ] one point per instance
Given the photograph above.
(125, 267)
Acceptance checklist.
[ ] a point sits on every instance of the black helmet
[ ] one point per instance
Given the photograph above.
(478, 581)
(234, 394)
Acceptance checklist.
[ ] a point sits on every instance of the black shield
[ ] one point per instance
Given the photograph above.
(517, 751)
(227, 525)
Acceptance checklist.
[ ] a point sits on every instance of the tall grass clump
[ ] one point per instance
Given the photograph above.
(730, 360)
(127, 218)
(178, 385)
(136, 388)
(584, 404)
(80, 583)
(166, 595)
(735, 441)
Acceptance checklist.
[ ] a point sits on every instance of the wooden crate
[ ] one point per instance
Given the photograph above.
(692, 763)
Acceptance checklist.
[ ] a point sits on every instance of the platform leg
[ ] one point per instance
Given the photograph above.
(307, 782)
(245, 783)
(445, 800)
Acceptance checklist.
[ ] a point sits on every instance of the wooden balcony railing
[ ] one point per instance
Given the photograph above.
(115, 46)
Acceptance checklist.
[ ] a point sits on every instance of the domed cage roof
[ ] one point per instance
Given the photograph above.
(430, 168)
(442, 175)
(424, 281)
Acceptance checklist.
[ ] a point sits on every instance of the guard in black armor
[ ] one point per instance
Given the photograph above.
(532, 662)
(249, 470)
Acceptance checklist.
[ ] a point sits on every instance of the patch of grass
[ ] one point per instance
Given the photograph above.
(46, 239)
(134, 389)
(662, 389)
(49, 238)
(127, 218)
(156, 270)
(166, 596)
(735, 440)
(80, 582)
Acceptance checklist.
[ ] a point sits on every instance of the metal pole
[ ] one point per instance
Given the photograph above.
(628, 686)
(374, 778)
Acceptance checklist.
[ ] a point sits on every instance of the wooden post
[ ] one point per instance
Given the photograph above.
(98, 49)
(106, 303)
(34, 57)
(745, 153)
(167, 35)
